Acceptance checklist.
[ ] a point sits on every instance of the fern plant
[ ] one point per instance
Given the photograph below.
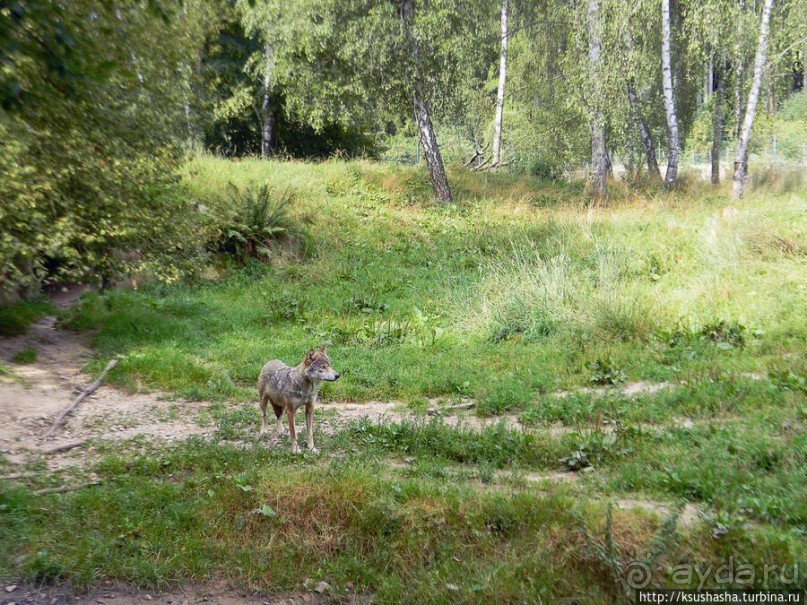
(258, 218)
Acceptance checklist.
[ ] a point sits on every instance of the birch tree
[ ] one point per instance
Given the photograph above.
(644, 132)
(630, 65)
(266, 113)
(741, 157)
(599, 155)
(721, 73)
(673, 149)
(497, 128)
(428, 140)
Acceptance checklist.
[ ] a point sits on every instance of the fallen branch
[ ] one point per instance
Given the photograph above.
(18, 476)
(84, 394)
(64, 488)
(462, 406)
(64, 447)
(478, 153)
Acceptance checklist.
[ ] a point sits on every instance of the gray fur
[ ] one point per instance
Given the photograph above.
(289, 388)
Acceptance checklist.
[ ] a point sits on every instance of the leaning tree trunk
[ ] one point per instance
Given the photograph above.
(717, 123)
(804, 68)
(266, 115)
(497, 127)
(431, 151)
(741, 158)
(669, 96)
(644, 133)
(599, 154)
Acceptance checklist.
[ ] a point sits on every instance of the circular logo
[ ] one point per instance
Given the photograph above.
(638, 575)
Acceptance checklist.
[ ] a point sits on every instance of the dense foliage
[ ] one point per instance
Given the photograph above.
(98, 100)
(90, 110)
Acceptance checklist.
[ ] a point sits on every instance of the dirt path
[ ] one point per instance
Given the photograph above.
(19, 595)
(37, 391)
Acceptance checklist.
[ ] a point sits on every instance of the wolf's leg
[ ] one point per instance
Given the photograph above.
(264, 401)
(279, 415)
(309, 426)
(295, 449)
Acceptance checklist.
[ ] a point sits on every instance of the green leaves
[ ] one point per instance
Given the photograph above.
(90, 110)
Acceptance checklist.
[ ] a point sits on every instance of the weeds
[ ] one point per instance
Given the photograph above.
(25, 356)
(256, 218)
(16, 317)
(605, 372)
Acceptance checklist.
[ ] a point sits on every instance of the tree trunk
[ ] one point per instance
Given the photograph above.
(739, 72)
(431, 151)
(497, 127)
(644, 133)
(741, 158)
(717, 124)
(266, 115)
(804, 68)
(669, 97)
(599, 155)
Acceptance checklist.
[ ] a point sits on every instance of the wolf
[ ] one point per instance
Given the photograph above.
(289, 389)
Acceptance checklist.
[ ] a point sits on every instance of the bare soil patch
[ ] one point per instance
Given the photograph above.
(20, 595)
(38, 391)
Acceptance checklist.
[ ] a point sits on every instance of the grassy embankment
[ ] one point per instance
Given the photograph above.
(515, 292)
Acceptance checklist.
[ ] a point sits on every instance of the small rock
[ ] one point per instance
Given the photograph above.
(322, 587)
(452, 587)
(11, 588)
(588, 469)
(147, 597)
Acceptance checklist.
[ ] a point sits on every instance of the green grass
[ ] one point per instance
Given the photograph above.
(25, 356)
(266, 520)
(16, 317)
(515, 292)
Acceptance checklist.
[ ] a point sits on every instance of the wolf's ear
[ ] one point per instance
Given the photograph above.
(309, 357)
(324, 346)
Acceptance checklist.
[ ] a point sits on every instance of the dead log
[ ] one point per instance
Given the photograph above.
(84, 394)
(64, 447)
(462, 406)
(64, 488)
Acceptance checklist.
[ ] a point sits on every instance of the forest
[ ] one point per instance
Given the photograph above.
(555, 251)
(101, 103)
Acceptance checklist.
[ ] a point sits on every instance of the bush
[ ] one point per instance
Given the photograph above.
(87, 158)
(255, 220)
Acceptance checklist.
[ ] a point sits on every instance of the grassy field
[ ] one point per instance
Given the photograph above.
(517, 292)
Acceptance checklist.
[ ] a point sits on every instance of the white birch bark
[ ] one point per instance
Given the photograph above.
(266, 117)
(717, 125)
(644, 132)
(669, 97)
(741, 157)
(599, 155)
(431, 151)
(497, 127)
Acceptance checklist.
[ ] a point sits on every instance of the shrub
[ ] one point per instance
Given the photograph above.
(256, 219)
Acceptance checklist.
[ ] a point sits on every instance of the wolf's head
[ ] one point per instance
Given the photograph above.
(317, 365)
